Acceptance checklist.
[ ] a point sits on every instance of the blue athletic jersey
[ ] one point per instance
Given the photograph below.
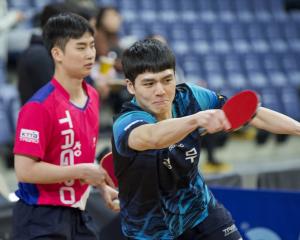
(161, 191)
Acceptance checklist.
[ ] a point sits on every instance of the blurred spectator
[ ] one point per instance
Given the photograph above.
(31, 78)
(9, 108)
(263, 136)
(85, 4)
(292, 5)
(210, 142)
(8, 20)
(107, 72)
(85, 8)
(108, 24)
(9, 102)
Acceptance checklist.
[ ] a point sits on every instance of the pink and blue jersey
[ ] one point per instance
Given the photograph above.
(58, 132)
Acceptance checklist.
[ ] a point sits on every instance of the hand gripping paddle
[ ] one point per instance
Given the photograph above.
(239, 109)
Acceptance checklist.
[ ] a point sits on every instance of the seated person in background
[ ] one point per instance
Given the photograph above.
(262, 137)
(35, 66)
(9, 18)
(107, 72)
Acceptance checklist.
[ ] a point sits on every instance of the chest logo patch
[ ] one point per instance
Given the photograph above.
(191, 155)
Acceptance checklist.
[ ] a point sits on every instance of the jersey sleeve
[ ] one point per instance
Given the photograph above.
(206, 98)
(124, 125)
(32, 131)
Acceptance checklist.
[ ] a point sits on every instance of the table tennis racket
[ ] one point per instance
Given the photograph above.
(240, 109)
(107, 163)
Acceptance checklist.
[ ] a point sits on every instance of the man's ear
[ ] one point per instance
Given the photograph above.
(130, 86)
(57, 54)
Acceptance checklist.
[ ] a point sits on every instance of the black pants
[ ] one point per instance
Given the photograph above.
(219, 225)
(51, 223)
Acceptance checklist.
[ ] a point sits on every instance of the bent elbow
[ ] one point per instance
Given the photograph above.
(22, 176)
(23, 171)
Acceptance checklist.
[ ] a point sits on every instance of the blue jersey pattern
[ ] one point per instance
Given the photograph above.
(167, 195)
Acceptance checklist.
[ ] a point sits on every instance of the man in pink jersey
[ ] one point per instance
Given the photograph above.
(56, 141)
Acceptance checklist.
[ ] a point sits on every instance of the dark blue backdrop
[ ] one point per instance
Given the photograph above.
(263, 215)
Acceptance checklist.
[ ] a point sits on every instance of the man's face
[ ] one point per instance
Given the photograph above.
(155, 92)
(78, 57)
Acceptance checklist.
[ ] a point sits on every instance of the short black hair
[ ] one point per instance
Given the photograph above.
(148, 55)
(61, 28)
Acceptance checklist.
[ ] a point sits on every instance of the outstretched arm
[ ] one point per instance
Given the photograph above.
(170, 131)
(275, 122)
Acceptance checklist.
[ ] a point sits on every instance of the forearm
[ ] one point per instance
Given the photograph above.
(162, 134)
(275, 122)
(45, 173)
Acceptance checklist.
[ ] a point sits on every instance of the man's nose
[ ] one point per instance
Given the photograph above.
(90, 53)
(159, 90)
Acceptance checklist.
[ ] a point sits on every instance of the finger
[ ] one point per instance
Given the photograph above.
(107, 178)
(226, 122)
(221, 122)
(226, 125)
(216, 125)
(116, 205)
(109, 202)
(109, 181)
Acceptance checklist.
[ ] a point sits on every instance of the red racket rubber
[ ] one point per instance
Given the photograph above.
(108, 164)
(239, 109)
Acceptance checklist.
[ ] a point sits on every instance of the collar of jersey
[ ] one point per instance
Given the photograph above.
(63, 91)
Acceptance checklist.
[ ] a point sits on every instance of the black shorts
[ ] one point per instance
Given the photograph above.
(51, 223)
(218, 225)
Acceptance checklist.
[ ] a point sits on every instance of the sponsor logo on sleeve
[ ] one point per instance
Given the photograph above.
(31, 136)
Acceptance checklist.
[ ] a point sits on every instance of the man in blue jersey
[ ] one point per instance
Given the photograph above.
(156, 150)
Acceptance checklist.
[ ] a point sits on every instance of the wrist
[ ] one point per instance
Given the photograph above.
(79, 171)
(196, 121)
(297, 129)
